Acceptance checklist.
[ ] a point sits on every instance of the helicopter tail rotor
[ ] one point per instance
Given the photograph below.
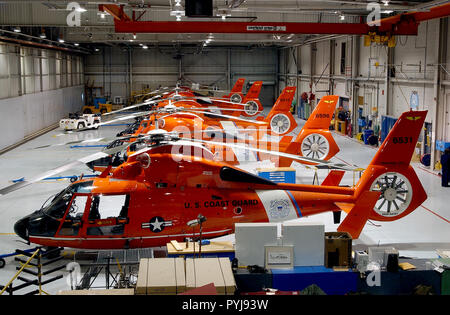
(390, 180)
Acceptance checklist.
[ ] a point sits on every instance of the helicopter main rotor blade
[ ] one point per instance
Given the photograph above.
(60, 169)
(258, 122)
(321, 163)
(132, 106)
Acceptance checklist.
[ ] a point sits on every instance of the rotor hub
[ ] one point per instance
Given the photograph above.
(390, 194)
(315, 147)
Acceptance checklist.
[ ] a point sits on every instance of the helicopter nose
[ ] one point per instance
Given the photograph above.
(21, 228)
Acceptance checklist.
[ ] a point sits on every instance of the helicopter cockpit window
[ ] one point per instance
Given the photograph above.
(108, 214)
(59, 203)
(72, 222)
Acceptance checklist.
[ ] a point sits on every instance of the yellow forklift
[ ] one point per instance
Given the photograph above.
(95, 104)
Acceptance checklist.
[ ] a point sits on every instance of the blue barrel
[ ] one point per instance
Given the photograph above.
(367, 134)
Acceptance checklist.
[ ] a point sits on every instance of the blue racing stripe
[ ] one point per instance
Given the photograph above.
(295, 203)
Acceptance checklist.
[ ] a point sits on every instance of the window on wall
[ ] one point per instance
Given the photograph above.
(343, 55)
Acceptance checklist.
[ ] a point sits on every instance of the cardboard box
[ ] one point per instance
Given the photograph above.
(307, 240)
(203, 271)
(180, 275)
(228, 277)
(338, 249)
(141, 284)
(161, 276)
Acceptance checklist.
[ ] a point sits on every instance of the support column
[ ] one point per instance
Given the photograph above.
(229, 83)
(332, 61)
(356, 42)
(437, 111)
(387, 82)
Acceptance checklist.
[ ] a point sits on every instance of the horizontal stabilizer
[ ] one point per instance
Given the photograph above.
(333, 178)
(357, 217)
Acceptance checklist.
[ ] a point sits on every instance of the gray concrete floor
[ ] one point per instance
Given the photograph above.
(417, 235)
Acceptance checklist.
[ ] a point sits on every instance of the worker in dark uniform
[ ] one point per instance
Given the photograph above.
(445, 162)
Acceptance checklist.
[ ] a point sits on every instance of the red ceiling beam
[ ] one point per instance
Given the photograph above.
(255, 27)
(401, 24)
(115, 11)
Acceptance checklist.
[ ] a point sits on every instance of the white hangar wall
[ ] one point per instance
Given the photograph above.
(381, 78)
(37, 88)
(120, 71)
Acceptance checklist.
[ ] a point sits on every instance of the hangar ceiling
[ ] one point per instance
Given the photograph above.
(38, 17)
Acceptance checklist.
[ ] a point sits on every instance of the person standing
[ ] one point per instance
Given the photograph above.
(445, 162)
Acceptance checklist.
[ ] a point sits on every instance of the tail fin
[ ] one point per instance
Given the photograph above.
(252, 104)
(315, 140)
(254, 91)
(238, 86)
(323, 113)
(390, 175)
(280, 118)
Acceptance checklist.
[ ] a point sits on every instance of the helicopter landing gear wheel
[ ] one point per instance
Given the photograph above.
(315, 146)
(396, 194)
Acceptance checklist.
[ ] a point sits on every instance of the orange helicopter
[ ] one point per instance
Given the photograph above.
(235, 94)
(236, 105)
(150, 199)
(314, 140)
(190, 115)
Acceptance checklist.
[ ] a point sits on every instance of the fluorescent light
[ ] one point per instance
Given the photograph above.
(61, 40)
(17, 29)
(42, 35)
(76, 44)
(224, 17)
(178, 17)
(387, 11)
(80, 9)
(386, 2)
(144, 47)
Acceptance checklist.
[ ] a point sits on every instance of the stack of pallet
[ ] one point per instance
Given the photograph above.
(202, 271)
(168, 276)
(161, 276)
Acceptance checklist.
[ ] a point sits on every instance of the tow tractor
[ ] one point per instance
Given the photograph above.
(77, 121)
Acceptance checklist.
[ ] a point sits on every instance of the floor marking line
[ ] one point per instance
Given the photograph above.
(425, 170)
(435, 214)
(342, 160)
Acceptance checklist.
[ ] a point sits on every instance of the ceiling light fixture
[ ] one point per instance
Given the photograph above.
(17, 29)
(386, 2)
(342, 17)
(80, 9)
(76, 44)
(144, 47)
